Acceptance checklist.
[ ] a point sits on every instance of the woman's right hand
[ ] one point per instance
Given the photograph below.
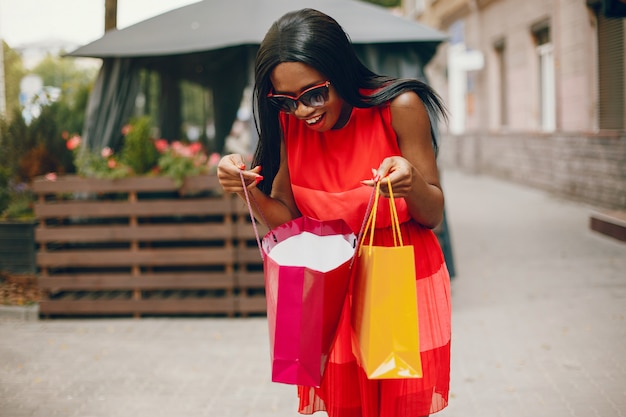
(228, 174)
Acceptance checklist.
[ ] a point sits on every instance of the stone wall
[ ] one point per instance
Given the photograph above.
(590, 168)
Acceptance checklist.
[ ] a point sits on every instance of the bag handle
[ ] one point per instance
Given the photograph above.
(250, 197)
(370, 225)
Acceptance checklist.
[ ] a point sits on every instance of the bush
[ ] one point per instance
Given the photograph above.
(139, 152)
(36, 149)
(5, 196)
(16, 200)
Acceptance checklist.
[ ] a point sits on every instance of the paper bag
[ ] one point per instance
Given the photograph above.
(307, 274)
(384, 305)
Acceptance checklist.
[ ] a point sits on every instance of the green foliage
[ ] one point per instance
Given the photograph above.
(92, 165)
(194, 103)
(139, 152)
(15, 140)
(4, 188)
(63, 73)
(20, 206)
(177, 160)
(385, 3)
(16, 201)
(180, 161)
(38, 148)
(14, 71)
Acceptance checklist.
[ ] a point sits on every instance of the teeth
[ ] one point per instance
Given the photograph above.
(314, 120)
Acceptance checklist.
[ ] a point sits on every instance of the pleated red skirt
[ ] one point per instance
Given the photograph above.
(347, 392)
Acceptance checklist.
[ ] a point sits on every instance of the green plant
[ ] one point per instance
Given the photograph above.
(179, 160)
(16, 200)
(20, 206)
(104, 165)
(5, 196)
(142, 155)
(139, 152)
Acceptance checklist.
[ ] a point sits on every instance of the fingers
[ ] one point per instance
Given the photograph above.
(395, 169)
(230, 170)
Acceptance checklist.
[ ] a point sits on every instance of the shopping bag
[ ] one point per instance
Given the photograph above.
(307, 273)
(384, 304)
(306, 266)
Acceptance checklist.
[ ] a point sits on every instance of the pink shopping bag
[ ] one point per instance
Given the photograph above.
(307, 273)
(306, 266)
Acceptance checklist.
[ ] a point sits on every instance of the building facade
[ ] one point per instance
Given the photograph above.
(535, 91)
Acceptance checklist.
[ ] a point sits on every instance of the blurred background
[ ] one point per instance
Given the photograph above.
(114, 113)
(530, 87)
(535, 90)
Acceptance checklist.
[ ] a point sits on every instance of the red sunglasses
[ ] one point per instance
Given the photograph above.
(315, 96)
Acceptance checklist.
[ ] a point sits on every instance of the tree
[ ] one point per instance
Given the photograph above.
(28, 150)
(63, 73)
(110, 15)
(385, 3)
(14, 71)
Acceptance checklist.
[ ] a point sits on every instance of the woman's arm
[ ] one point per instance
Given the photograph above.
(414, 176)
(279, 207)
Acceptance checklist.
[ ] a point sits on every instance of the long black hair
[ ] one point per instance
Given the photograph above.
(316, 39)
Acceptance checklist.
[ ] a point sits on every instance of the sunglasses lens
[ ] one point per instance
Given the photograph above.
(316, 97)
(284, 104)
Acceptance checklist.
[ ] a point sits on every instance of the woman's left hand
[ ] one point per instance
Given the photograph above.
(400, 172)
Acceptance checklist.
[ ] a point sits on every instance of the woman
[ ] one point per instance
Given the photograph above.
(329, 129)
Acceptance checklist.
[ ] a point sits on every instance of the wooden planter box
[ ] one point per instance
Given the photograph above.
(142, 246)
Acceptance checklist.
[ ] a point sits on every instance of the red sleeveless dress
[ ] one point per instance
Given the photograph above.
(326, 170)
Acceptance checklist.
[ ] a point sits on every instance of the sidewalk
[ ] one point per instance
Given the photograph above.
(539, 331)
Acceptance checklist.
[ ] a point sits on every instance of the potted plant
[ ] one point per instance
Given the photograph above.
(17, 225)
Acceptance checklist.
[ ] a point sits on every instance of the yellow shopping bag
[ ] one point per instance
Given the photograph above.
(384, 304)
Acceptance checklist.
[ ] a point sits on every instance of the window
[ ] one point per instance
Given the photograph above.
(500, 48)
(611, 88)
(545, 55)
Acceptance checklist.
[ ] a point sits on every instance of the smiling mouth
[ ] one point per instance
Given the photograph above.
(314, 120)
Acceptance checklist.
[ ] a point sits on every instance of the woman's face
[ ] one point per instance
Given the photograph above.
(292, 78)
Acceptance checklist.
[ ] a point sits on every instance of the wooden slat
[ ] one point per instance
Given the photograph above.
(246, 231)
(249, 255)
(121, 233)
(186, 305)
(160, 281)
(202, 182)
(256, 304)
(143, 257)
(250, 280)
(153, 208)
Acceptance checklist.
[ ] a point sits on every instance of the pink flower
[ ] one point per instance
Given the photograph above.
(51, 176)
(126, 129)
(65, 135)
(214, 159)
(161, 145)
(73, 142)
(106, 152)
(195, 147)
(182, 150)
(111, 163)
